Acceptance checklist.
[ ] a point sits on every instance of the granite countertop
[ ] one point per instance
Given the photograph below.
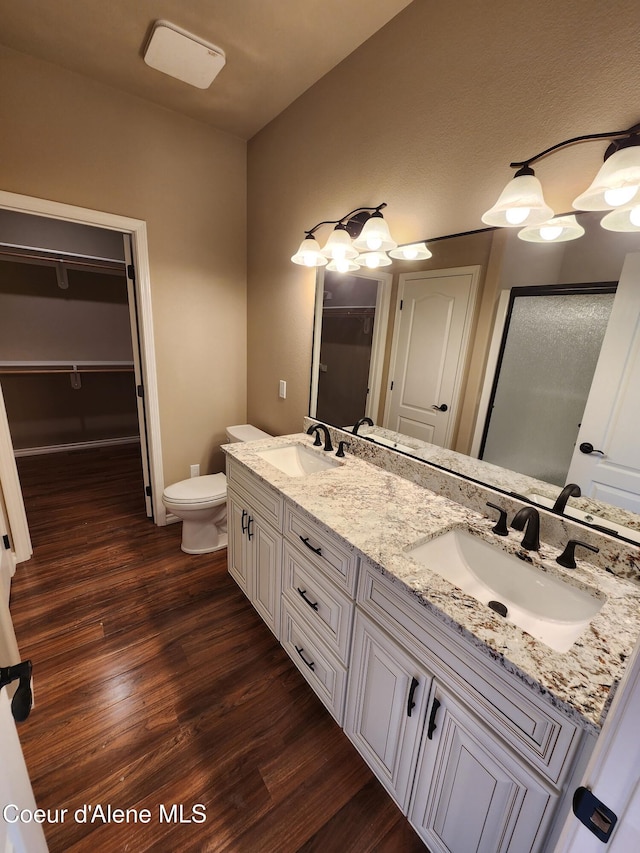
(381, 515)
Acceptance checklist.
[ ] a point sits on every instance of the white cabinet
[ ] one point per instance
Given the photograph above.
(388, 695)
(470, 793)
(255, 544)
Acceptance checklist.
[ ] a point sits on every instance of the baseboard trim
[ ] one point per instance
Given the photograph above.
(76, 445)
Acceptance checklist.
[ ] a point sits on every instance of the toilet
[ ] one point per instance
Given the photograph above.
(201, 502)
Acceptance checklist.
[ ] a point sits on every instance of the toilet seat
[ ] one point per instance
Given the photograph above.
(198, 490)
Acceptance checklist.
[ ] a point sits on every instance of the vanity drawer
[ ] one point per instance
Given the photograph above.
(324, 551)
(326, 675)
(262, 498)
(539, 733)
(316, 601)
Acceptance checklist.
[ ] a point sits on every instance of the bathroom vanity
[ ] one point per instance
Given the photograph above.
(478, 730)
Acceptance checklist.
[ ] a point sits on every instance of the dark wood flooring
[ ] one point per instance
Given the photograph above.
(156, 684)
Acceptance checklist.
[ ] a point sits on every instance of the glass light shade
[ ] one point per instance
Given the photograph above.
(339, 245)
(375, 236)
(560, 229)
(622, 219)
(520, 203)
(309, 254)
(373, 260)
(616, 184)
(342, 265)
(412, 252)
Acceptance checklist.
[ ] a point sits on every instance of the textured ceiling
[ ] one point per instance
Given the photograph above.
(275, 49)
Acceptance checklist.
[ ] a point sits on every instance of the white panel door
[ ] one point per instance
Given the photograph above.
(611, 473)
(435, 311)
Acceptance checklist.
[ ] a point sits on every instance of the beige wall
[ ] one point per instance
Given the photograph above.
(74, 141)
(426, 116)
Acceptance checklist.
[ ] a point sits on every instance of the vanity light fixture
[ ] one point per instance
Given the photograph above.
(360, 238)
(616, 187)
(560, 229)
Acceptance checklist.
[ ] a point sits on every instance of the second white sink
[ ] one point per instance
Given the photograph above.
(296, 460)
(536, 601)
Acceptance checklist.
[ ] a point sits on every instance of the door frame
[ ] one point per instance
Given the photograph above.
(474, 272)
(380, 324)
(137, 228)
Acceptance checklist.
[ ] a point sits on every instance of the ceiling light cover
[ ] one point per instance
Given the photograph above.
(412, 252)
(184, 56)
(520, 203)
(622, 219)
(560, 229)
(375, 236)
(309, 254)
(618, 178)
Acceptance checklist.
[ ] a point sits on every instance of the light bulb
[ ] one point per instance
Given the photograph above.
(374, 241)
(517, 215)
(342, 264)
(309, 259)
(617, 196)
(371, 261)
(634, 216)
(550, 232)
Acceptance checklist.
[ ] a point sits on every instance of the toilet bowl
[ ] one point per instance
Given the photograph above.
(201, 502)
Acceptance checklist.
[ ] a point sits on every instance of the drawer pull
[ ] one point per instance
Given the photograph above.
(313, 605)
(310, 664)
(305, 539)
(245, 514)
(410, 703)
(249, 530)
(432, 719)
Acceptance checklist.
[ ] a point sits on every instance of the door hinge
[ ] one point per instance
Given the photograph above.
(131, 272)
(147, 491)
(391, 387)
(401, 303)
(6, 542)
(140, 390)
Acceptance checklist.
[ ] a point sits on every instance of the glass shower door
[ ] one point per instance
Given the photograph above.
(550, 348)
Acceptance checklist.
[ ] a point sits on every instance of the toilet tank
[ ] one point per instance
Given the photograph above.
(245, 432)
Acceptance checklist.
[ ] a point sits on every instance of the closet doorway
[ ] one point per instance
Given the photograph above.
(95, 317)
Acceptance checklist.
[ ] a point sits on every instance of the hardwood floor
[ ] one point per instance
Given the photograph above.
(157, 684)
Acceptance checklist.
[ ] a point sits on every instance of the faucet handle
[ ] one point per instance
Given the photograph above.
(341, 447)
(500, 528)
(568, 556)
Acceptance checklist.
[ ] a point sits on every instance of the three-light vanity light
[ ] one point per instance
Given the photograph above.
(361, 238)
(616, 189)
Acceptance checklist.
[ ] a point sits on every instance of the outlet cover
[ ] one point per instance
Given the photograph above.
(195, 470)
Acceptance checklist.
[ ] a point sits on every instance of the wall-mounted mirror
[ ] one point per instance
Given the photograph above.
(487, 334)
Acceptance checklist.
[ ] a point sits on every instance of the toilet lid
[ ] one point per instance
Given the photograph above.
(198, 489)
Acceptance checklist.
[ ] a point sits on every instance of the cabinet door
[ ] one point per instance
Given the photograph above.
(266, 570)
(386, 703)
(470, 794)
(237, 558)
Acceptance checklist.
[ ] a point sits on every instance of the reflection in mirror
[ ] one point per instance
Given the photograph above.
(506, 262)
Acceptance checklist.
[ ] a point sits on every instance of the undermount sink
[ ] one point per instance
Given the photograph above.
(296, 460)
(588, 517)
(540, 603)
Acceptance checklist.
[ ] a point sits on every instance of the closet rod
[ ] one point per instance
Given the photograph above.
(61, 257)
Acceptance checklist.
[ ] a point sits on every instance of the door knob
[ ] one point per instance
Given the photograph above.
(587, 447)
(442, 408)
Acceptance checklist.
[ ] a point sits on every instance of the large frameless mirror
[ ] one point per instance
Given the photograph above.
(482, 359)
